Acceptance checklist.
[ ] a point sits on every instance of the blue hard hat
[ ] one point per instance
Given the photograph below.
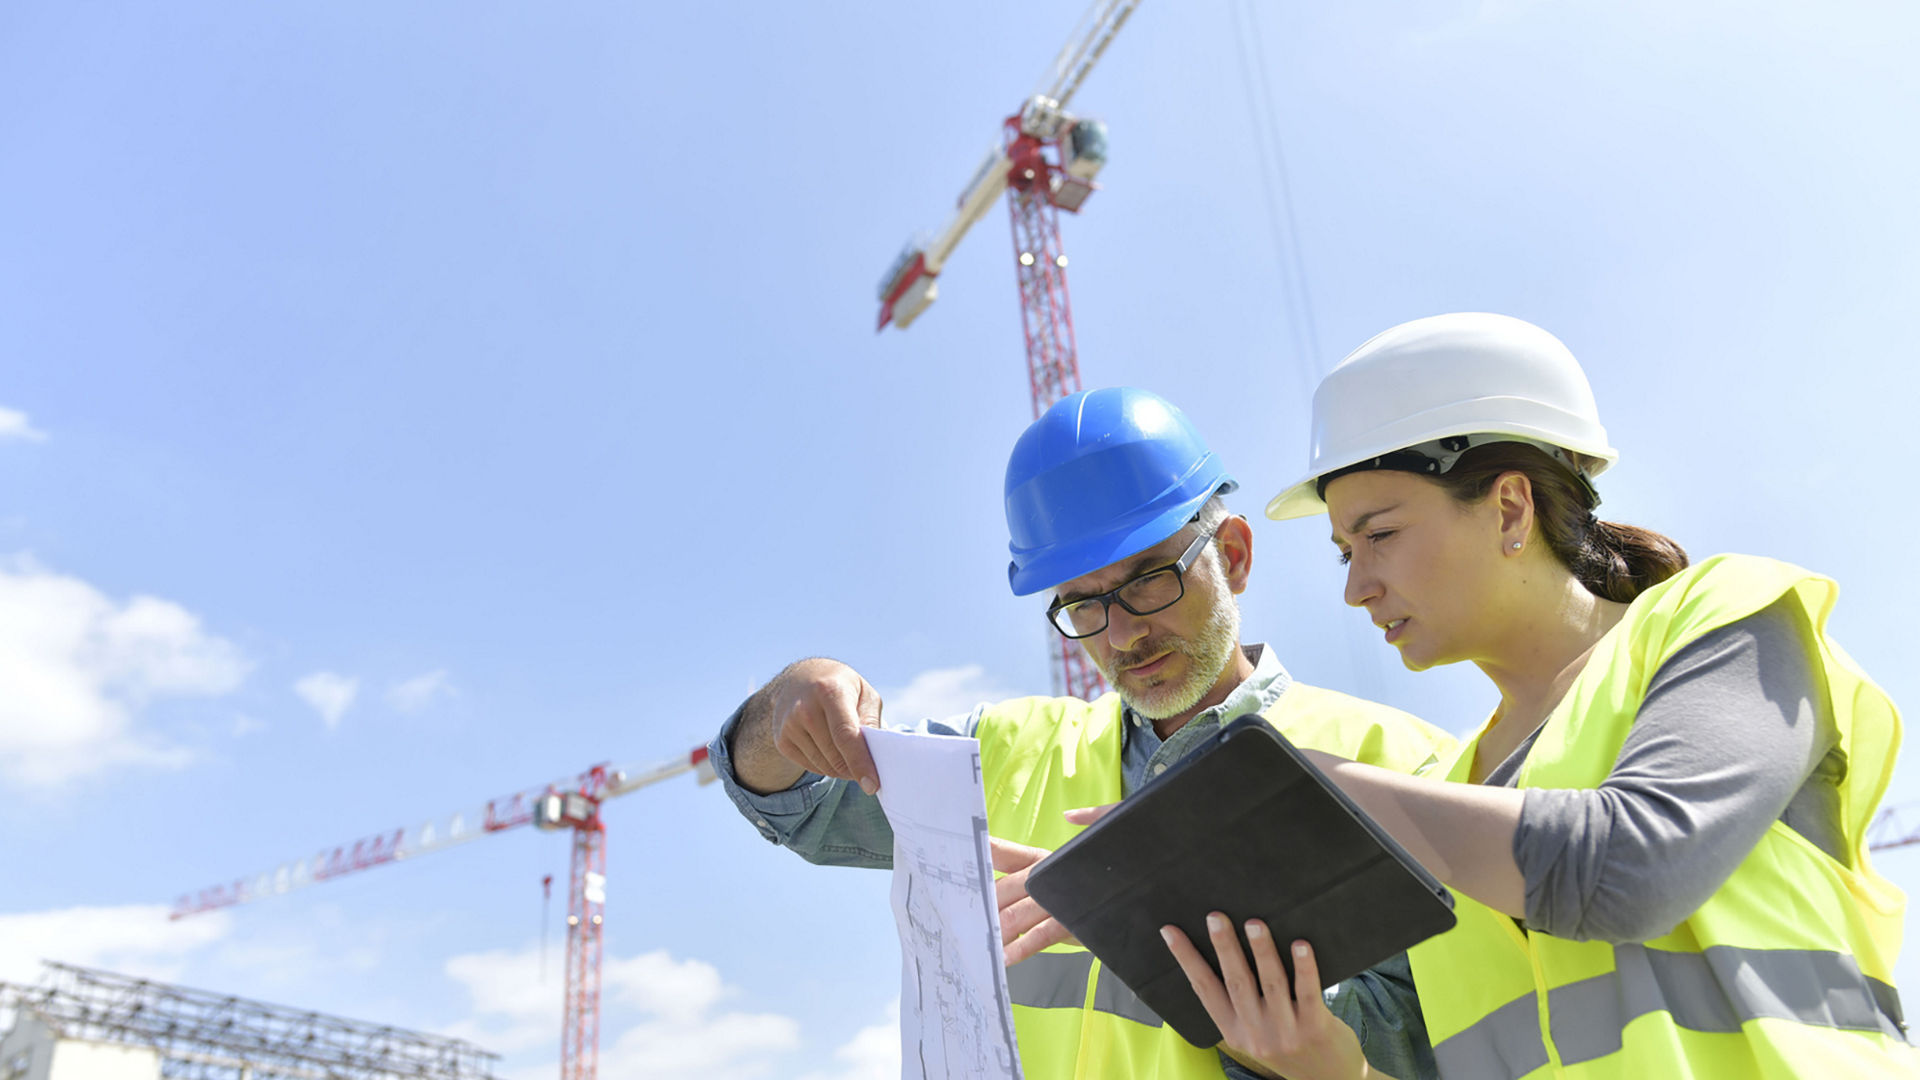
(1102, 475)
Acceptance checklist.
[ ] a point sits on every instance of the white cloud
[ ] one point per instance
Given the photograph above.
(415, 694)
(79, 669)
(941, 693)
(872, 1054)
(330, 695)
(732, 1044)
(514, 1007)
(15, 425)
(135, 939)
(682, 1031)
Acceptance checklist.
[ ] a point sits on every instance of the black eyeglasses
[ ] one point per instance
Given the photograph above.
(1155, 590)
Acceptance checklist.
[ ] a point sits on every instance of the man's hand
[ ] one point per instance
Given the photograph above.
(810, 717)
(1025, 926)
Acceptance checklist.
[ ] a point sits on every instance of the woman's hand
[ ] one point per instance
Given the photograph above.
(1264, 1023)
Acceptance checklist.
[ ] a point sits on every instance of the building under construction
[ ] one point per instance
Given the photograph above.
(81, 1024)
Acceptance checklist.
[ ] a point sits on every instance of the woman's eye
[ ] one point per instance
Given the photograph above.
(1346, 557)
(1381, 534)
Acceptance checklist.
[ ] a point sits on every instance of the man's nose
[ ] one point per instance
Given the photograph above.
(1124, 628)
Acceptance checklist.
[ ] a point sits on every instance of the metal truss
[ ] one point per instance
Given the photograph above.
(202, 1035)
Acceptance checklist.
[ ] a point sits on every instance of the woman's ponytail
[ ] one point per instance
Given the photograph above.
(1619, 562)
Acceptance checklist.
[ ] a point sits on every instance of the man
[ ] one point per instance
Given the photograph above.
(1113, 503)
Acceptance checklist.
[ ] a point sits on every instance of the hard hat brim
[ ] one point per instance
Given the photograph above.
(1302, 499)
(1066, 563)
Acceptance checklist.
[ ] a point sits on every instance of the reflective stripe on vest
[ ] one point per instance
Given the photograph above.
(1717, 990)
(1504, 1045)
(1058, 980)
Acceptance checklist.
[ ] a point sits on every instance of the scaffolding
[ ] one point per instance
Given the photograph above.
(200, 1035)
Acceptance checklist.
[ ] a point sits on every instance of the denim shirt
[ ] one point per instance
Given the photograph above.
(832, 822)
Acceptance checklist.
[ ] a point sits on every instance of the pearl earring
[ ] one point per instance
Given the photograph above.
(1516, 545)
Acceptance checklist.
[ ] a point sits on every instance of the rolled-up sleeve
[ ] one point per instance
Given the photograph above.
(820, 818)
(1381, 1007)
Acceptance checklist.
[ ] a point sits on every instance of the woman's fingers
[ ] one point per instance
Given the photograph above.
(1306, 973)
(1241, 988)
(1266, 960)
(1206, 985)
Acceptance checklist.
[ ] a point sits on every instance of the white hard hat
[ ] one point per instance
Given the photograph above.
(1451, 378)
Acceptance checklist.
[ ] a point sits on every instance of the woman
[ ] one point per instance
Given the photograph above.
(1657, 839)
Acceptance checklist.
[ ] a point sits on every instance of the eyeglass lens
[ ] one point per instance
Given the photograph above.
(1143, 595)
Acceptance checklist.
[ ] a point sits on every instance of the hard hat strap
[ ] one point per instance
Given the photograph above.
(1438, 456)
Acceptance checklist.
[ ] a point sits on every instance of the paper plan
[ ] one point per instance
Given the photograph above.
(955, 1020)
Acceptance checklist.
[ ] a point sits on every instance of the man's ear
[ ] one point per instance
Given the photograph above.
(1235, 540)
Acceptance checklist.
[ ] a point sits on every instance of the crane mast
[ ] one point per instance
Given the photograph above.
(1046, 162)
(573, 803)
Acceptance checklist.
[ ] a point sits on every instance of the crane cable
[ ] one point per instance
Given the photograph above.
(1281, 221)
(1282, 224)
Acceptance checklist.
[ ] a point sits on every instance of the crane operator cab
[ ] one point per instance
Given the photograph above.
(1083, 152)
(1083, 149)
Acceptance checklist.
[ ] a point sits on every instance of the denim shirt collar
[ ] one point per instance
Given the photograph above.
(1260, 690)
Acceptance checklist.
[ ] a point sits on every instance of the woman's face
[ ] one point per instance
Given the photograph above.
(1425, 568)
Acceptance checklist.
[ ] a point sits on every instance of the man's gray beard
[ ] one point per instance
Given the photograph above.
(1208, 653)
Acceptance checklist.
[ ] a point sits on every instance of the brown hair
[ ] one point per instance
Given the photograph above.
(1616, 562)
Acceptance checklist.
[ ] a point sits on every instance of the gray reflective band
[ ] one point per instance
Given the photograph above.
(1502, 1045)
(1058, 980)
(1110, 995)
(1717, 990)
(1050, 980)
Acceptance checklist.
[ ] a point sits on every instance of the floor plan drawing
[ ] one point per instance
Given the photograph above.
(955, 1020)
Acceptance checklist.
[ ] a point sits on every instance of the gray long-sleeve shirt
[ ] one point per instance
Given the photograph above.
(1736, 732)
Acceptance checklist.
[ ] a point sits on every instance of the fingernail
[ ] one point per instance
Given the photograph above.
(1300, 948)
(869, 785)
(1255, 928)
(1216, 922)
(1166, 934)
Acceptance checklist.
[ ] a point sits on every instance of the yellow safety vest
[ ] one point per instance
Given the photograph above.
(1043, 756)
(1786, 971)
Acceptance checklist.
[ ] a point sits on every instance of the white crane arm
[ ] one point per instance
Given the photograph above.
(1101, 21)
(989, 181)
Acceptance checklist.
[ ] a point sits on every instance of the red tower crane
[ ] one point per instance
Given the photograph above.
(573, 803)
(1895, 826)
(1045, 162)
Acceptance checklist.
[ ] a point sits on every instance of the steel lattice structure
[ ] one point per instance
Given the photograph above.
(201, 1035)
(586, 903)
(1046, 318)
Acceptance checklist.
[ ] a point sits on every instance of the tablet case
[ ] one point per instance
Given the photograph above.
(1247, 826)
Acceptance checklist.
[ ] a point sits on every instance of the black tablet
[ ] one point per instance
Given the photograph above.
(1247, 826)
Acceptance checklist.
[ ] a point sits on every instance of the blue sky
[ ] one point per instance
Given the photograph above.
(504, 375)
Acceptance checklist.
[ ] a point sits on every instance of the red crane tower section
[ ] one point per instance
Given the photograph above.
(1046, 318)
(1046, 163)
(572, 804)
